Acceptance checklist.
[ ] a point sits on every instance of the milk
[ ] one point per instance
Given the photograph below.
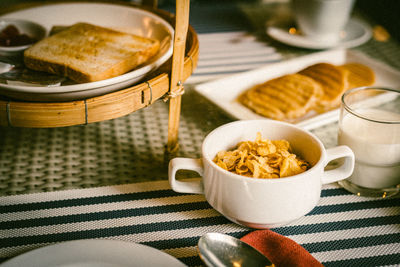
(376, 147)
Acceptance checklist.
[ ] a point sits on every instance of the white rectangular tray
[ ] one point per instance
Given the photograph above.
(223, 92)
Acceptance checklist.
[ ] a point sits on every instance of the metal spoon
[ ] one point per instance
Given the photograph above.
(224, 250)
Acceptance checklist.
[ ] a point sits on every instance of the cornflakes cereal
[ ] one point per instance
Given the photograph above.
(262, 158)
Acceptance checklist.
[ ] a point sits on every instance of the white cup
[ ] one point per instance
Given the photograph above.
(322, 20)
(261, 203)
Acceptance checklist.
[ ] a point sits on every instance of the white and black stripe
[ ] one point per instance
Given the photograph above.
(228, 53)
(342, 230)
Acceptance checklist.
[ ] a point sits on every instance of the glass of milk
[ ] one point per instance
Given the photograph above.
(369, 124)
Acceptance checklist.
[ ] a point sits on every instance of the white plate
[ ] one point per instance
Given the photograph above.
(354, 34)
(121, 17)
(96, 253)
(224, 92)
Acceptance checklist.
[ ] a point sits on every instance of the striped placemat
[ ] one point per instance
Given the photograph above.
(342, 230)
(228, 53)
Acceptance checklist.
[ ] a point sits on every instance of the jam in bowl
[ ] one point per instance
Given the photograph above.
(17, 35)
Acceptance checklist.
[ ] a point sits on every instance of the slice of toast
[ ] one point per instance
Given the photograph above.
(89, 53)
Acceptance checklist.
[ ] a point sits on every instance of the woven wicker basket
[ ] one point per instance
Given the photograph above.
(166, 82)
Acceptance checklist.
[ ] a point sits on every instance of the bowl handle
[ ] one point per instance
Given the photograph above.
(343, 171)
(194, 186)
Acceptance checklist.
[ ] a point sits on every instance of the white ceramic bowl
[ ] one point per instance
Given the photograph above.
(32, 29)
(261, 203)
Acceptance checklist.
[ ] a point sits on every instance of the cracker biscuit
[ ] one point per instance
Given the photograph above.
(260, 105)
(318, 87)
(333, 80)
(359, 75)
(286, 97)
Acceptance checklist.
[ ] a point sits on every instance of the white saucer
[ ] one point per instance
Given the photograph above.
(354, 34)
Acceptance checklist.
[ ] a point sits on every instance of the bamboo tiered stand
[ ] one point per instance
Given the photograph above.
(166, 83)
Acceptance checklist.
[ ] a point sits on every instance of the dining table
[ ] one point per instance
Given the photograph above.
(109, 179)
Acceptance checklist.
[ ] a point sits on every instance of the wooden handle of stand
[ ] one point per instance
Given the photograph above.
(176, 87)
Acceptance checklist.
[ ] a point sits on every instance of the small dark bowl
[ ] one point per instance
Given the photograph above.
(32, 29)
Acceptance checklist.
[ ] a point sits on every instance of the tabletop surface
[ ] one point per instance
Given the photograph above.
(109, 179)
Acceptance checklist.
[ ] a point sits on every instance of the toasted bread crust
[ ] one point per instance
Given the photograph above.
(88, 53)
(56, 68)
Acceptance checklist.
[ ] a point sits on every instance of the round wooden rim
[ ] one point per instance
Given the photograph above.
(110, 106)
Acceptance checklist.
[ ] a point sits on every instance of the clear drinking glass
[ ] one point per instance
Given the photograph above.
(369, 124)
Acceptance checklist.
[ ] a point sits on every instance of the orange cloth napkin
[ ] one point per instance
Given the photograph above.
(282, 251)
